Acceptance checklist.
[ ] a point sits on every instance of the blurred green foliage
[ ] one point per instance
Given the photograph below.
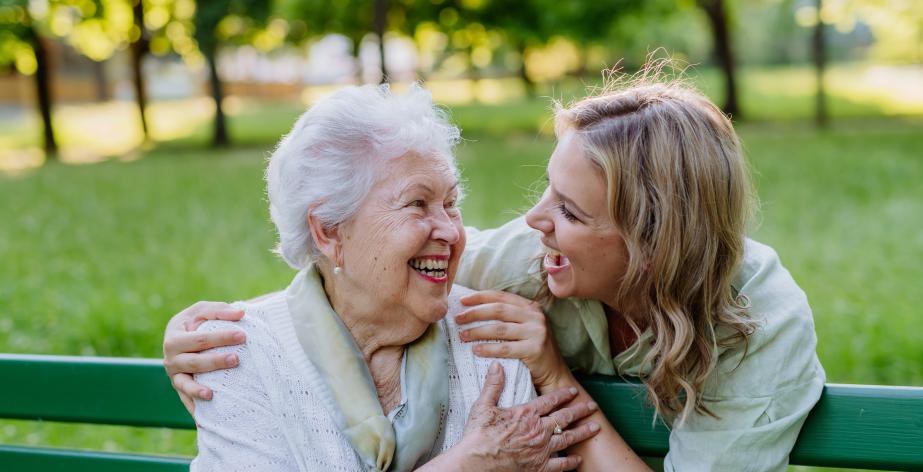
(97, 258)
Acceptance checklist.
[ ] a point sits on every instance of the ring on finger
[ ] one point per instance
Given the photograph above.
(557, 428)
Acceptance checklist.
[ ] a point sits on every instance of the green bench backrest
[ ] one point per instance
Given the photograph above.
(852, 426)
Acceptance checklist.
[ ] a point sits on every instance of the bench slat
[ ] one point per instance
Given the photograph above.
(119, 391)
(856, 426)
(30, 459)
(852, 426)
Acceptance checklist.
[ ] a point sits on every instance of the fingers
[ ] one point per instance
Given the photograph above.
(560, 464)
(188, 403)
(504, 350)
(496, 332)
(178, 343)
(571, 414)
(493, 296)
(551, 401)
(205, 311)
(494, 311)
(199, 363)
(185, 385)
(493, 387)
(572, 436)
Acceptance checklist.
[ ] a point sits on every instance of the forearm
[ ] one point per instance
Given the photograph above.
(605, 451)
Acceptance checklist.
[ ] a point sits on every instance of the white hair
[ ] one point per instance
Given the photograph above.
(334, 154)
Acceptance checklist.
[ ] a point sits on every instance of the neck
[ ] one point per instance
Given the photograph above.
(621, 335)
(381, 332)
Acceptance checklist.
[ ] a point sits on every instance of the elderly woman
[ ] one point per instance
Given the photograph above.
(354, 366)
(639, 256)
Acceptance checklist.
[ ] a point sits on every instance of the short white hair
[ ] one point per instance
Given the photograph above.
(333, 156)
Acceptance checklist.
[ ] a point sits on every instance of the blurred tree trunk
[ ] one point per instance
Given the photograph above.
(357, 60)
(101, 81)
(716, 11)
(523, 74)
(381, 24)
(220, 138)
(138, 50)
(819, 47)
(43, 87)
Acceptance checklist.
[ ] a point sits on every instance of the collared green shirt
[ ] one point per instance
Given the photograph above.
(762, 399)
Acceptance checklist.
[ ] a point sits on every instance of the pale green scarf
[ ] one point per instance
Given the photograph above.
(395, 442)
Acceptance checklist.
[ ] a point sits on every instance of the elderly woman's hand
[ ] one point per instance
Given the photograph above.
(523, 329)
(182, 348)
(523, 437)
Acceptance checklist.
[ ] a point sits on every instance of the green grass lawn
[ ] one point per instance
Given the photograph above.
(96, 258)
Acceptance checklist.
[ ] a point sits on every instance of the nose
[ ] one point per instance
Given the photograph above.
(444, 229)
(537, 217)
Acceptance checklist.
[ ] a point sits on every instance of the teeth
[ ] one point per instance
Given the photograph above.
(429, 264)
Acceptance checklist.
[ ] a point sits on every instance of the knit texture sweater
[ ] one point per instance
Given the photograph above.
(266, 414)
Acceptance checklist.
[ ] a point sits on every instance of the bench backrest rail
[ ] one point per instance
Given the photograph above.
(855, 426)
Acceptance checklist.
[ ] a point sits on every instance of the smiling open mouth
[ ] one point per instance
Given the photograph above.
(555, 262)
(432, 268)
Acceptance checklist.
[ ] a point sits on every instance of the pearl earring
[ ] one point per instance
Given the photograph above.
(337, 270)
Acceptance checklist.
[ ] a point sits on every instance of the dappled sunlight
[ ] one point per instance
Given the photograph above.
(178, 118)
(445, 91)
(89, 133)
(897, 90)
(18, 161)
(891, 90)
(95, 132)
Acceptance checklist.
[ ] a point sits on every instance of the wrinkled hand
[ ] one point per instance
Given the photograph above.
(521, 437)
(182, 348)
(521, 326)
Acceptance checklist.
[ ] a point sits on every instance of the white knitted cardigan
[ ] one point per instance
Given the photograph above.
(266, 414)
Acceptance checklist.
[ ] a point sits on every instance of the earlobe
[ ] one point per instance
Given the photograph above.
(326, 239)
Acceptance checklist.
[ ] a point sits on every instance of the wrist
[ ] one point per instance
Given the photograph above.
(467, 455)
(561, 378)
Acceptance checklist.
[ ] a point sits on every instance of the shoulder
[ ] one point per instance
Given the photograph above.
(781, 351)
(504, 258)
(256, 316)
(258, 324)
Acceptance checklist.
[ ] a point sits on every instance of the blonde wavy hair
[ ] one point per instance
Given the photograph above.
(679, 192)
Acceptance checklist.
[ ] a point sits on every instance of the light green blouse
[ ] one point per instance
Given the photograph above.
(762, 403)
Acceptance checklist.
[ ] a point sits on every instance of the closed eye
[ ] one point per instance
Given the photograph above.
(566, 213)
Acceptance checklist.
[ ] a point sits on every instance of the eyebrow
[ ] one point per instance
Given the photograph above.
(425, 187)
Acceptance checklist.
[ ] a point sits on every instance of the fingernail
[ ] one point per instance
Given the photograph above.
(205, 394)
(231, 359)
(594, 426)
(592, 406)
(572, 390)
(239, 337)
(495, 368)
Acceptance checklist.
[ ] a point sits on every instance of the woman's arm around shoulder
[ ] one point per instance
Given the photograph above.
(239, 429)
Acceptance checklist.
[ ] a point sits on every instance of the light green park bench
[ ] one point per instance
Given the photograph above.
(854, 426)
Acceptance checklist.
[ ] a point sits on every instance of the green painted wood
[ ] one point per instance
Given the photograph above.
(855, 426)
(852, 426)
(29, 459)
(119, 391)
(864, 426)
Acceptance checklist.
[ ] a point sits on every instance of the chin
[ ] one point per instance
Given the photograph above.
(435, 311)
(558, 291)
